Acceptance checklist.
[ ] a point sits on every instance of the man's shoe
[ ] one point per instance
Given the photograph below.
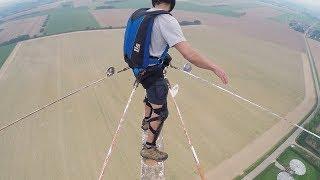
(154, 154)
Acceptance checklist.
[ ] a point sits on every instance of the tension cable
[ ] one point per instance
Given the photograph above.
(187, 70)
(110, 72)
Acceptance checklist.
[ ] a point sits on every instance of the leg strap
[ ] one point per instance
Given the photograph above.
(146, 101)
(162, 116)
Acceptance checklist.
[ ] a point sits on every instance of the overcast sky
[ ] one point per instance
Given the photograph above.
(306, 2)
(309, 2)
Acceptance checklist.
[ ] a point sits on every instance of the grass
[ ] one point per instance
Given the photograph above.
(289, 154)
(304, 138)
(70, 19)
(270, 172)
(5, 52)
(261, 159)
(284, 159)
(228, 10)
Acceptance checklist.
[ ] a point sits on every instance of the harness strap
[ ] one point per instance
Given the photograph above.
(159, 118)
(146, 100)
(156, 132)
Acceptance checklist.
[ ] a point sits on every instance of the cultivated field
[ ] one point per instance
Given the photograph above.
(70, 139)
(70, 19)
(240, 161)
(256, 23)
(112, 17)
(81, 3)
(13, 29)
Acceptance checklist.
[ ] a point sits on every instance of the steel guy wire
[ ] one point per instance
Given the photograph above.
(115, 136)
(110, 72)
(194, 153)
(246, 100)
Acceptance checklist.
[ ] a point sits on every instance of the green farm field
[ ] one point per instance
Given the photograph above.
(289, 154)
(284, 159)
(233, 10)
(69, 140)
(269, 173)
(5, 52)
(70, 19)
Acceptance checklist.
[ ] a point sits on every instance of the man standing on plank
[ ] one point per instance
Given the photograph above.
(149, 35)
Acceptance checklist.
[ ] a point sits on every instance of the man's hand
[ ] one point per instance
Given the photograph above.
(200, 61)
(221, 74)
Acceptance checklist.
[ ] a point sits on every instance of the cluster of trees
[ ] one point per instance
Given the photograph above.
(113, 1)
(104, 7)
(16, 39)
(299, 26)
(315, 34)
(188, 23)
(108, 27)
(45, 23)
(303, 27)
(310, 142)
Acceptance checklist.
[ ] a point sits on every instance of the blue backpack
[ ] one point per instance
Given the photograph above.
(137, 42)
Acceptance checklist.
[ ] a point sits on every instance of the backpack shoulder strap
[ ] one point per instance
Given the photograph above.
(138, 13)
(138, 37)
(144, 12)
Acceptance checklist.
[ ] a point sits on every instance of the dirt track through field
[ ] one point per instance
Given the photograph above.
(235, 165)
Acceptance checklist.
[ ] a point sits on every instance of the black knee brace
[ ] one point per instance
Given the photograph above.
(146, 101)
(145, 121)
(163, 114)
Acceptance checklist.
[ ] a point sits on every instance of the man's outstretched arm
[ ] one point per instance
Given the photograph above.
(200, 61)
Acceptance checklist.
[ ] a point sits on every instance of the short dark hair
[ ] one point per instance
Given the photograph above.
(157, 2)
(171, 2)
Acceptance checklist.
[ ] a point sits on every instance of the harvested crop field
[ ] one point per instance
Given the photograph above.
(239, 162)
(112, 17)
(81, 3)
(69, 140)
(13, 29)
(255, 23)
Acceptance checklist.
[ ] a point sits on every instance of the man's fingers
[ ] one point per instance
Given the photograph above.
(223, 76)
(225, 79)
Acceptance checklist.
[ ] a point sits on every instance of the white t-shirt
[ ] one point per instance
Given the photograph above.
(166, 31)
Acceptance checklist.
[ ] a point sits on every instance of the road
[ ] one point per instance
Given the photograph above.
(291, 140)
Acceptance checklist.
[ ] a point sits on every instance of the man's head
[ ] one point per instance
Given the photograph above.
(169, 3)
